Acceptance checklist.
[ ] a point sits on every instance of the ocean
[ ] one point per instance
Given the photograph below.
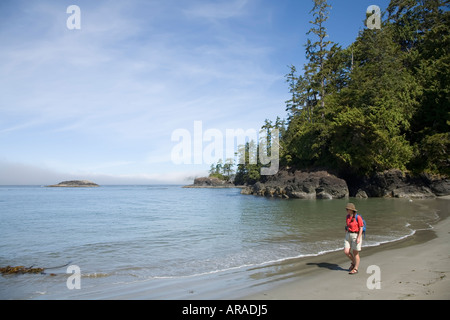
(158, 235)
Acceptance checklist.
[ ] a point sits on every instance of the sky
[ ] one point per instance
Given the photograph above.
(105, 101)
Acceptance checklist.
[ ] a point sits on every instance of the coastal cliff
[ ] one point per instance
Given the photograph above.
(75, 184)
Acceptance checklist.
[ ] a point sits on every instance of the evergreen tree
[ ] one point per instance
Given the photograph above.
(317, 52)
(304, 142)
(385, 95)
(422, 29)
(248, 169)
(309, 90)
(227, 169)
(381, 103)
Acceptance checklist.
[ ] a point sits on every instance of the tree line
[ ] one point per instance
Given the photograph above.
(381, 103)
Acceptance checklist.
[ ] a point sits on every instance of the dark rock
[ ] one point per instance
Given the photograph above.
(361, 194)
(398, 184)
(323, 185)
(300, 185)
(439, 185)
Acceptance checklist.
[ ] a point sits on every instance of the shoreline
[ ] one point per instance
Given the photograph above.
(417, 267)
(213, 187)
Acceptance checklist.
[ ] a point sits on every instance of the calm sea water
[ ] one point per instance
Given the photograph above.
(124, 234)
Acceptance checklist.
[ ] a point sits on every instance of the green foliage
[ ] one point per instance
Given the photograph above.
(381, 103)
(432, 154)
(249, 167)
(222, 171)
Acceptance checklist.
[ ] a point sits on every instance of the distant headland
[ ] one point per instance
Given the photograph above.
(75, 184)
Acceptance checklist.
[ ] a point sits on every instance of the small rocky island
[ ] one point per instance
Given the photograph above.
(75, 184)
(210, 182)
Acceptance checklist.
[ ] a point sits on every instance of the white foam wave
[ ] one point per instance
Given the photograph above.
(280, 260)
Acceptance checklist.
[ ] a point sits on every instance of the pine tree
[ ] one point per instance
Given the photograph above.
(248, 169)
(309, 90)
(424, 26)
(381, 103)
(385, 96)
(316, 52)
(304, 141)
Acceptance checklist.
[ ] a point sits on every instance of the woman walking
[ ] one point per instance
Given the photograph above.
(353, 237)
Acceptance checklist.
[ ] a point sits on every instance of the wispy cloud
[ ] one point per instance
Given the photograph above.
(135, 72)
(217, 10)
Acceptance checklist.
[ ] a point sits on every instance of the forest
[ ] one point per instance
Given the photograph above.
(379, 104)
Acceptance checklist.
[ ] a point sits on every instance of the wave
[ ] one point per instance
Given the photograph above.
(96, 275)
(257, 265)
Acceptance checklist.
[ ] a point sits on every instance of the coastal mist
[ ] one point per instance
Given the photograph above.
(164, 236)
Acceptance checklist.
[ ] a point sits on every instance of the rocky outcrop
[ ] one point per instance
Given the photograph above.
(398, 184)
(75, 184)
(323, 185)
(210, 182)
(300, 185)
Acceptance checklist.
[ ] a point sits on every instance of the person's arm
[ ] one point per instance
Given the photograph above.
(361, 225)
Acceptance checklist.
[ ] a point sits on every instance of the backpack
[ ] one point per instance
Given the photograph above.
(364, 224)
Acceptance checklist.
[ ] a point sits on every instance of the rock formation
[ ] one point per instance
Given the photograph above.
(301, 185)
(397, 184)
(323, 185)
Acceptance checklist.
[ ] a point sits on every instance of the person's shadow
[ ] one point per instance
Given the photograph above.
(330, 266)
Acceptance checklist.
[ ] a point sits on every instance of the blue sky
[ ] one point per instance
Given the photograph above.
(102, 102)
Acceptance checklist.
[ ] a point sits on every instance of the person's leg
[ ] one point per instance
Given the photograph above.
(356, 248)
(347, 247)
(350, 256)
(357, 259)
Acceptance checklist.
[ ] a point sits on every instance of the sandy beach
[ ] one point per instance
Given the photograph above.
(415, 268)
